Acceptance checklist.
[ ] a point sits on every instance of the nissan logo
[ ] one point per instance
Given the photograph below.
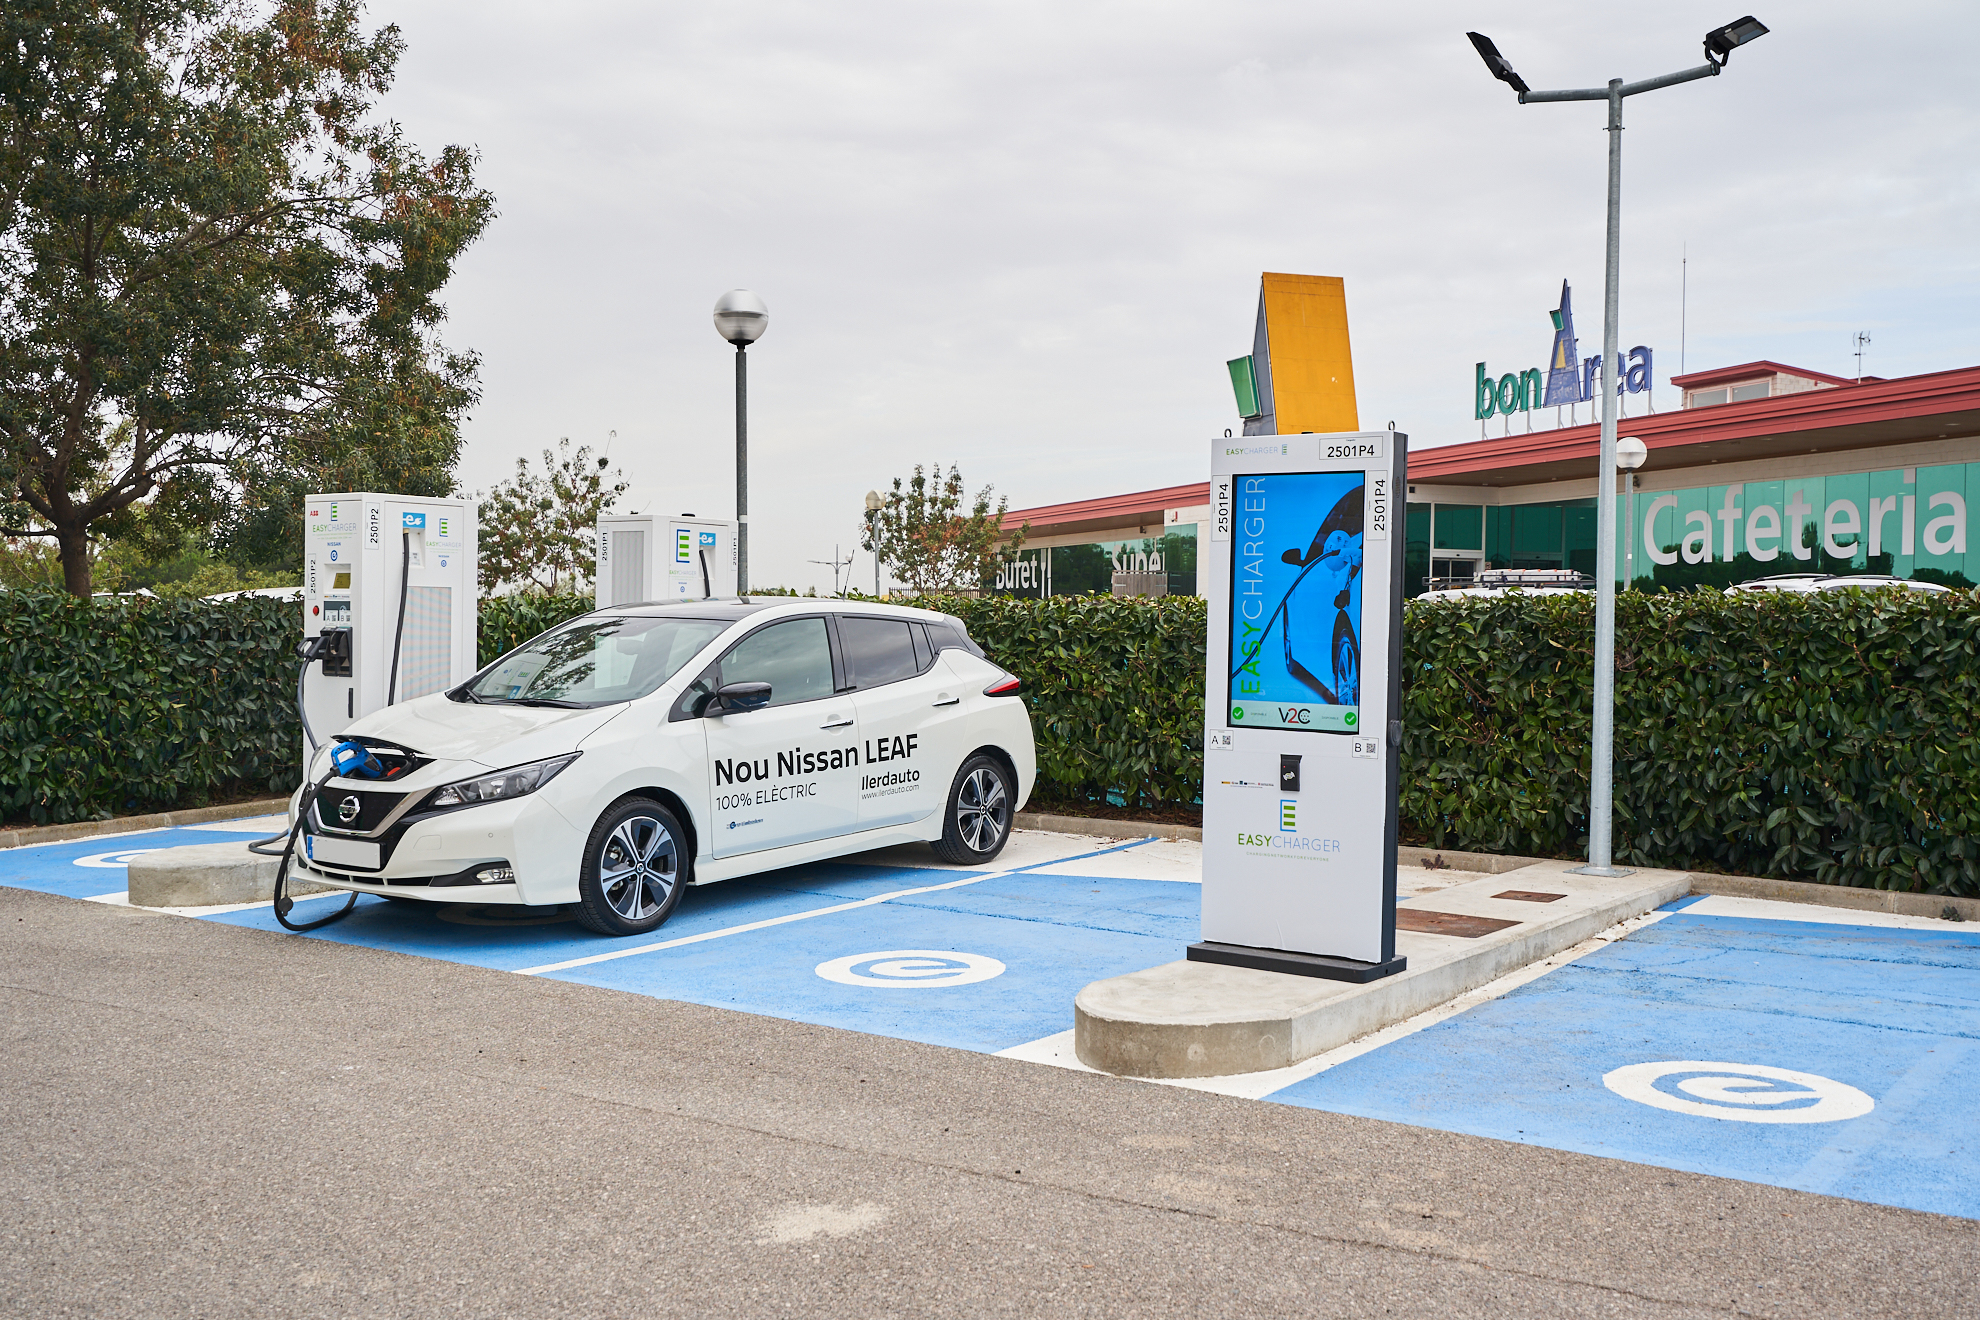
(347, 810)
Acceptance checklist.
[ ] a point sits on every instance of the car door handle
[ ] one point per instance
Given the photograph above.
(944, 699)
(836, 722)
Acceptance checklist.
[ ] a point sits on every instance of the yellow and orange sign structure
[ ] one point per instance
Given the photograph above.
(1300, 375)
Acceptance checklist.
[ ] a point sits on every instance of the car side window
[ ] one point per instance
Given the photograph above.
(877, 651)
(923, 655)
(794, 658)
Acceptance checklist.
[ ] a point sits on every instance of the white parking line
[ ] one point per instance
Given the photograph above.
(968, 879)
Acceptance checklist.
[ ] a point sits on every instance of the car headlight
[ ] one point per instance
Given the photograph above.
(517, 781)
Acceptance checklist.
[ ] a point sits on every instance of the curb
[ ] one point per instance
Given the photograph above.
(1193, 1019)
(157, 820)
(1102, 828)
(1410, 858)
(1838, 896)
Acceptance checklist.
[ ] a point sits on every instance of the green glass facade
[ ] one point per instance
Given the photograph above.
(1909, 522)
(1088, 569)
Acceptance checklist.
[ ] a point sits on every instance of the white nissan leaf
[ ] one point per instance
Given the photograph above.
(625, 755)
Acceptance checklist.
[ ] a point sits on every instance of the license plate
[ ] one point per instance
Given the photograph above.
(341, 852)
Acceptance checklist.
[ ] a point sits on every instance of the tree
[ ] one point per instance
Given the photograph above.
(218, 275)
(930, 543)
(539, 532)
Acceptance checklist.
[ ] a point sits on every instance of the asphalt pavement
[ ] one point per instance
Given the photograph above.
(199, 1118)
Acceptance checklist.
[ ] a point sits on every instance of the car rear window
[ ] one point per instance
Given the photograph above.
(946, 634)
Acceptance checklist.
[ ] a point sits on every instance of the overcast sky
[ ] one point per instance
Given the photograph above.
(1024, 237)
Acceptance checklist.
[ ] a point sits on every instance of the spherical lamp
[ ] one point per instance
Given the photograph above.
(740, 317)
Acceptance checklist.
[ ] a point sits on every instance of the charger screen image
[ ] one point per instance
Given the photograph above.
(1295, 644)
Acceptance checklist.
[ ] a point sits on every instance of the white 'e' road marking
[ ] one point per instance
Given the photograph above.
(1740, 1092)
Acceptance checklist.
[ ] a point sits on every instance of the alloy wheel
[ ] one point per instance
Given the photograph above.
(637, 867)
(982, 810)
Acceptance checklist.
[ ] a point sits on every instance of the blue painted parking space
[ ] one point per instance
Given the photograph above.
(1048, 936)
(1825, 1057)
(85, 868)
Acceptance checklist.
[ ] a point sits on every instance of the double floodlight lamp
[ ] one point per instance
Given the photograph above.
(1719, 45)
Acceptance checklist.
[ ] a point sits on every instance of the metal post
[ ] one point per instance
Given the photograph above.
(742, 468)
(873, 538)
(1629, 533)
(1601, 761)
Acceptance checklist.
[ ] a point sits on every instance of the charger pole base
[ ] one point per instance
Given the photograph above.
(1295, 964)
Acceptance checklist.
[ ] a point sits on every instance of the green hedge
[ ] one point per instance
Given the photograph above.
(1829, 737)
(509, 621)
(1115, 686)
(132, 704)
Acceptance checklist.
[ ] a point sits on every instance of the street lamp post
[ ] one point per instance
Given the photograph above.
(1719, 45)
(1630, 453)
(873, 506)
(741, 318)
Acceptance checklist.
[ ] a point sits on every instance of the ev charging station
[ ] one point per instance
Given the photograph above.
(1302, 733)
(646, 557)
(389, 582)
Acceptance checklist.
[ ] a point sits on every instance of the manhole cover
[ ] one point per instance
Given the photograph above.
(1448, 923)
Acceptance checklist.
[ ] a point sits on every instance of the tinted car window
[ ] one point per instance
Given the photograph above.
(877, 650)
(794, 658)
(922, 655)
(946, 636)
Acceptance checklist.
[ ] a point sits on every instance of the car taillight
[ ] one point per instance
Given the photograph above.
(1007, 686)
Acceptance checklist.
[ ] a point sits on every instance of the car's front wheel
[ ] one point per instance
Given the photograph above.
(976, 821)
(635, 865)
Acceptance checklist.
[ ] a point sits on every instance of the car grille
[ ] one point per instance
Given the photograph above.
(372, 810)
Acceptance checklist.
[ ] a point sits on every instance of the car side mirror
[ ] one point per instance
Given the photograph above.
(742, 696)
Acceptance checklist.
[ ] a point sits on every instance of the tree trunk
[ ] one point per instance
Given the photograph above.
(73, 544)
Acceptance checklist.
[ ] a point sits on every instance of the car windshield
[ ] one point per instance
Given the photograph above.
(596, 661)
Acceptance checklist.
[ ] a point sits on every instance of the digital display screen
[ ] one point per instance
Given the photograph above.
(341, 581)
(1295, 642)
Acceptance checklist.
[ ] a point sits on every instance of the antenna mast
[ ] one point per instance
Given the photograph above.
(1860, 339)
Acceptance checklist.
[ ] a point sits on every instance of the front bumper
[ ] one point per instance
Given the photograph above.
(428, 856)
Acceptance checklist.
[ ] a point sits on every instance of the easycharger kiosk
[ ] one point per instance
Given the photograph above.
(392, 577)
(647, 557)
(1304, 573)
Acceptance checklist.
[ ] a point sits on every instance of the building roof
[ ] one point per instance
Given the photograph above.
(1110, 510)
(1943, 403)
(1753, 371)
(1855, 416)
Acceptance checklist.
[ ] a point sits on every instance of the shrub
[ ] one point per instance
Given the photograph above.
(509, 621)
(1829, 737)
(1115, 687)
(128, 704)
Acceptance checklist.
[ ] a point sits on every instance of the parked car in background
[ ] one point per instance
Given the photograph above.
(1499, 581)
(1807, 583)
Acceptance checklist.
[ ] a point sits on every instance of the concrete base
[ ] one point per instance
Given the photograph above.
(205, 875)
(1193, 1019)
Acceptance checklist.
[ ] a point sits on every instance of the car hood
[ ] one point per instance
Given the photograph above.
(491, 735)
